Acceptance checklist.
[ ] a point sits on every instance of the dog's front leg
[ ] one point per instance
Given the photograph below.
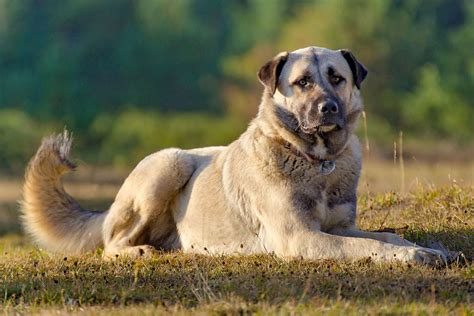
(293, 235)
(382, 236)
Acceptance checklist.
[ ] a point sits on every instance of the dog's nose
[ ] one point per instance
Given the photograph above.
(327, 107)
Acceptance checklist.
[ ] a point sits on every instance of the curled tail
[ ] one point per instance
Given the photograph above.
(54, 219)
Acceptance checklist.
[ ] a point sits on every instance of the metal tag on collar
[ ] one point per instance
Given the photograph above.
(327, 167)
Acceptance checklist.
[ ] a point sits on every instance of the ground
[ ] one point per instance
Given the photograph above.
(433, 208)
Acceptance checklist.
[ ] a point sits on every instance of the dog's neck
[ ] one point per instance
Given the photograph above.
(325, 166)
(310, 157)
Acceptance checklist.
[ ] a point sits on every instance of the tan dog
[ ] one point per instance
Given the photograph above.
(287, 185)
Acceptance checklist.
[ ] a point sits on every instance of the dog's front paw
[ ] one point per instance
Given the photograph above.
(427, 256)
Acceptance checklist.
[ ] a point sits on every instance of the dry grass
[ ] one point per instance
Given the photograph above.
(34, 281)
(382, 176)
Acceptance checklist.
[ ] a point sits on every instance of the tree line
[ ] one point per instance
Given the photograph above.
(90, 64)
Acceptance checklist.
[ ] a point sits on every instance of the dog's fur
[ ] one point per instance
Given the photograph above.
(263, 193)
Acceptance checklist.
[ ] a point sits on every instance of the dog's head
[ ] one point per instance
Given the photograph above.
(314, 93)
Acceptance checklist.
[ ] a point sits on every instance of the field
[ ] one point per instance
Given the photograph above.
(424, 202)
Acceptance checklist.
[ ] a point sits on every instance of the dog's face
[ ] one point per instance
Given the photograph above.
(315, 93)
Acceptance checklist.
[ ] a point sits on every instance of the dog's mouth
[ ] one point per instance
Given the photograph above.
(326, 128)
(322, 128)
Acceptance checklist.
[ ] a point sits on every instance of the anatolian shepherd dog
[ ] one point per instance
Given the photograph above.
(287, 186)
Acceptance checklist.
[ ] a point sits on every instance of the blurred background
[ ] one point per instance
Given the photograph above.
(130, 77)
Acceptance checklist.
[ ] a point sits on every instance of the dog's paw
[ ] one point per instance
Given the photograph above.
(428, 256)
(144, 251)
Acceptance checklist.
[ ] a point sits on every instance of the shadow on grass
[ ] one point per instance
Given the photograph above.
(453, 239)
(190, 280)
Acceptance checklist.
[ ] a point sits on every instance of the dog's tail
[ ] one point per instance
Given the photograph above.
(54, 219)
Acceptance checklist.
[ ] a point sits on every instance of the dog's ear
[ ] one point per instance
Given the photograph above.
(359, 72)
(269, 73)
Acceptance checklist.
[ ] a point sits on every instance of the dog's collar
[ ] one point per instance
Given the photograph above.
(324, 166)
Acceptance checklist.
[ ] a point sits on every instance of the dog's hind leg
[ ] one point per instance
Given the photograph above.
(140, 214)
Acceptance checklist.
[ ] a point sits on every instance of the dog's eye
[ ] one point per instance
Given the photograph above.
(336, 80)
(302, 82)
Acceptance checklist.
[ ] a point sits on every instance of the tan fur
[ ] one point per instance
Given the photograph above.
(256, 195)
(45, 204)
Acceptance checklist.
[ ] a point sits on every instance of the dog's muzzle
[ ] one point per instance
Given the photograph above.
(330, 116)
(323, 117)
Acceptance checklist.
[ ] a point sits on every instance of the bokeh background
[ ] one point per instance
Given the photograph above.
(130, 77)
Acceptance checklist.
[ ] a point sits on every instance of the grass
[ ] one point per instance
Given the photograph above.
(33, 281)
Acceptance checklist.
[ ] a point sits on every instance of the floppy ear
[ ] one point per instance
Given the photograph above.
(269, 73)
(359, 72)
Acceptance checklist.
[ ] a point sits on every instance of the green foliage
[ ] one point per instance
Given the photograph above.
(122, 139)
(430, 101)
(395, 40)
(76, 63)
(71, 60)
(131, 135)
(19, 136)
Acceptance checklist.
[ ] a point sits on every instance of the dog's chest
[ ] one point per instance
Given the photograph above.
(326, 207)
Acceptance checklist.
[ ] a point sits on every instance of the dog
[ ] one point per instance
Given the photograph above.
(286, 186)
